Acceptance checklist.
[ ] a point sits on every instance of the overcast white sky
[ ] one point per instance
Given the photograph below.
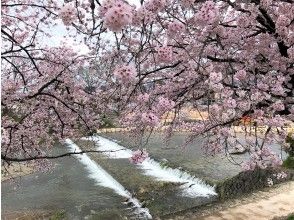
(60, 31)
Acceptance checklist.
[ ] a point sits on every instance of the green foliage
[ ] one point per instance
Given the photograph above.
(107, 122)
(163, 164)
(58, 216)
(290, 140)
(289, 163)
(290, 217)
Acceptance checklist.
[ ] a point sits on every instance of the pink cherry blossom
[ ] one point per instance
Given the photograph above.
(280, 175)
(150, 119)
(244, 105)
(230, 103)
(143, 98)
(125, 74)
(241, 75)
(226, 61)
(208, 13)
(155, 5)
(283, 21)
(118, 16)
(164, 54)
(175, 28)
(68, 14)
(187, 3)
(215, 77)
(164, 104)
(139, 156)
(278, 106)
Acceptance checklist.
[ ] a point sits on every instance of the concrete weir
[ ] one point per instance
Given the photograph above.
(191, 186)
(103, 178)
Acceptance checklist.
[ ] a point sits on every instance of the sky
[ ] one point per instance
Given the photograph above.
(59, 31)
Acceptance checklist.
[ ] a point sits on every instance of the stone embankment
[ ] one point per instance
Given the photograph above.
(271, 203)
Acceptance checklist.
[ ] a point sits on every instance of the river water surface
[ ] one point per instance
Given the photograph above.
(107, 186)
(66, 187)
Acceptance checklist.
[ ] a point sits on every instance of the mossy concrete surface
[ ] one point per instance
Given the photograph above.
(250, 181)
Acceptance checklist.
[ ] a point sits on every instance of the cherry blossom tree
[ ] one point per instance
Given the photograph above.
(228, 59)
(44, 98)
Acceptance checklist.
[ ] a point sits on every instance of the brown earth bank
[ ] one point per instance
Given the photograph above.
(15, 170)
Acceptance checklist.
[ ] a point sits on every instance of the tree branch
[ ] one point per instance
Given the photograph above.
(16, 159)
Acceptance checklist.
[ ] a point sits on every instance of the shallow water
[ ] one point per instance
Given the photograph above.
(191, 185)
(103, 178)
(66, 187)
(75, 185)
(191, 157)
(162, 190)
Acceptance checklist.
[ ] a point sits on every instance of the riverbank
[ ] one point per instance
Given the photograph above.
(269, 203)
(33, 214)
(15, 170)
(236, 129)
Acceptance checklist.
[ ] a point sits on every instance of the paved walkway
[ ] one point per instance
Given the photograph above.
(266, 205)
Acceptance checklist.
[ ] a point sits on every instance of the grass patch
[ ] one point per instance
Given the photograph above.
(289, 163)
(107, 122)
(58, 216)
(290, 217)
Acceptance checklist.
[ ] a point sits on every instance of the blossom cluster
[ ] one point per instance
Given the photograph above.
(187, 3)
(150, 119)
(278, 106)
(67, 14)
(164, 104)
(139, 156)
(155, 5)
(208, 13)
(164, 54)
(125, 73)
(270, 182)
(262, 158)
(240, 75)
(175, 28)
(142, 14)
(116, 14)
(282, 22)
(276, 176)
(243, 21)
(143, 98)
(281, 175)
(215, 77)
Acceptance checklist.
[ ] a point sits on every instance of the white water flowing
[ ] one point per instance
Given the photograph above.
(102, 178)
(192, 186)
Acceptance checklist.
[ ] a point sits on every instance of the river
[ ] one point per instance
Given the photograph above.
(107, 186)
